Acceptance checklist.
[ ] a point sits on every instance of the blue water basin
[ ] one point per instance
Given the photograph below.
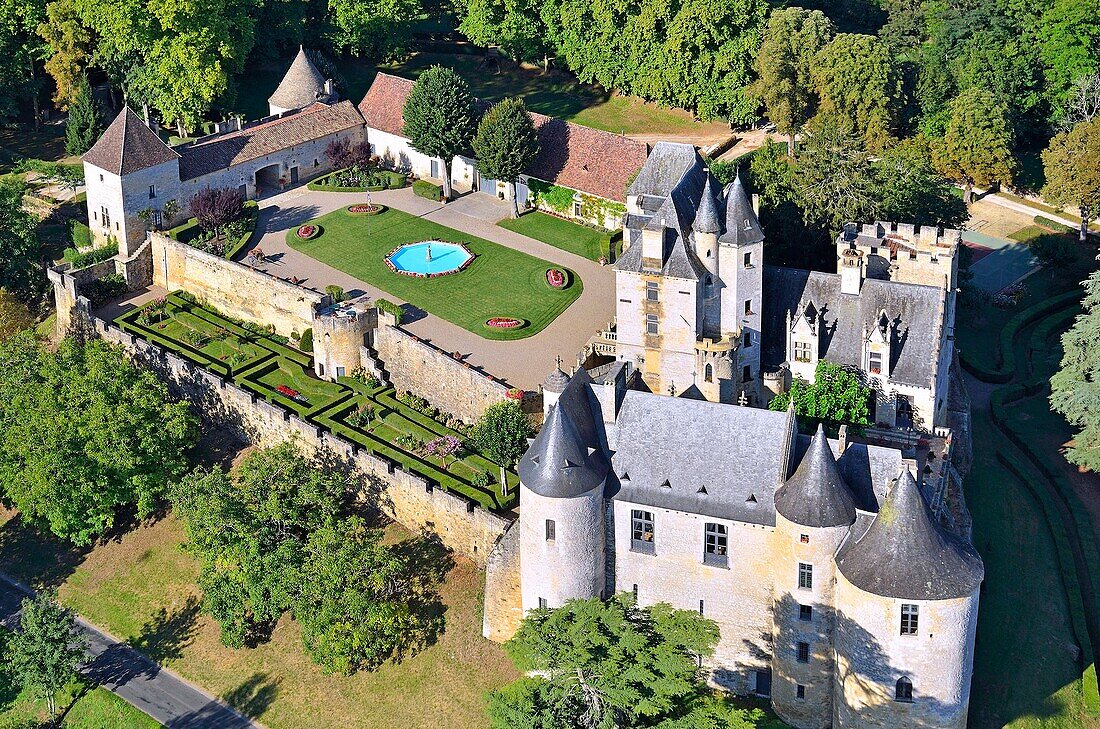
(429, 258)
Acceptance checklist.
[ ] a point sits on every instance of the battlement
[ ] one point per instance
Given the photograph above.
(920, 254)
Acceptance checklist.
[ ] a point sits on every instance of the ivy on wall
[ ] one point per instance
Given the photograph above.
(560, 199)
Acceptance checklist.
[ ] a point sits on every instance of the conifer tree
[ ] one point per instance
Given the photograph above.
(85, 122)
(1075, 387)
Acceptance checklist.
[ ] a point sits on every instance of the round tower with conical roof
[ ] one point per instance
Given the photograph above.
(562, 480)
(907, 609)
(815, 510)
(552, 388)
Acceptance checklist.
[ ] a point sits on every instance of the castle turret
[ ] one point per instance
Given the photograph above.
(552, 388)
(814, 511)
(302, 85)
(562, 479)
(741, 269)
(907, 608)
(339, 333)
(706, 227)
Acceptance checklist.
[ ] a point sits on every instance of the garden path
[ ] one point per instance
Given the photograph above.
(522, 363)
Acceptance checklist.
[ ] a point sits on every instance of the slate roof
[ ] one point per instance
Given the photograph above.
(913, 310)
(905, 554)
(707, 218)
(718, 460)
(302, 85)
(742, 225)
(585, 159)
(566, 458)
(252, 142)
(128, 145)
(816, 495)
(555, 381)
(665, 166)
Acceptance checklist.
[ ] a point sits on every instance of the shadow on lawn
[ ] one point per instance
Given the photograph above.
(35, 558)
(165, 635)
(277, 218)
(254, 695)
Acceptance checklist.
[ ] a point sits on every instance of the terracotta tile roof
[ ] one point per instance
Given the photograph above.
(128, 146)
(592, 161)
(264, 138)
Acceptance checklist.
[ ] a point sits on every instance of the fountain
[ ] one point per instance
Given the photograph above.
(430, 258)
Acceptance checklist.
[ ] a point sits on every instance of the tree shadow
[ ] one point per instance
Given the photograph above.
(253, 696)
(165, 635)
(427, 563)
(35, 557)
(275, 218)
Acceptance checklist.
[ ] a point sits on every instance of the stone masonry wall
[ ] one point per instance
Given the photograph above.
(405, 497)
(503, 605)
(449, 385)
(232, 288)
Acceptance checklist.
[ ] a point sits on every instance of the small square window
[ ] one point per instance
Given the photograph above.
(748, 306)
(542, 602)
(804, 538)
(805, 613)
(799, 691)
(651, 326)
(803, 652)
(651, 292)
(805, 576)
(801, 351)
(551, 530)
(748, 260)
(874, 362)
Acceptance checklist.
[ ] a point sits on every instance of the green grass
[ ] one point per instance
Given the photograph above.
(501, 281)
(566, 235)
(18, 143)
(260, 364)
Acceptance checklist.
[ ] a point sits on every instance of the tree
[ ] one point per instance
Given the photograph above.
(377, 30)
(501, 433)
(439, 118)
(21, 52)
(216, 207)
(85, 123)
(909, 189)
(363, 603)
(784, 64)
(1075, 387)
(341, 153)
(47, 650)
(1071, 165)
(1083, 104)
(604, 664)
(86, 433)
(977, 146)
(69, 47)
(837, 395)
(506, 144)
(14, 315)
(21, 271)
(249, 529)
(514, 25)
(1069, 46)
(858, 83)
(834, 182)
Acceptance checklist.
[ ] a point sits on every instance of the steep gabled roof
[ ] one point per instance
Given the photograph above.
(566, 459)
(905, 554)
(128, 146)
(302, 85)
(816, 495)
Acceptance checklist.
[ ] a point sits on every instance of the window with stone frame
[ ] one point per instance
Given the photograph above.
(651, 325)
(715, 545)
(805, 576)
(874, 363)
(805, 613)
(651, 291)
(641, 531)
(909, 616)
(799, 691)
(803, 652)
(551, 530)
(801, 351)
(903, 690)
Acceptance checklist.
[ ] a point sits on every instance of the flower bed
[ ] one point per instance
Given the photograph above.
(365, 209)
(556, 278)
(515, 394)
(504, 322)
(288, 392)
(309, 231)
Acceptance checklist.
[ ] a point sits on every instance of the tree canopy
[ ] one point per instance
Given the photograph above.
(501, 433)
(506, 143)
(86, 434)
(46, 651)
(85, 123)
(439, 118)
(21, 270)
(858, 84)
(1075, 387)
(977, 144)
(837, 395)
(1072, 168)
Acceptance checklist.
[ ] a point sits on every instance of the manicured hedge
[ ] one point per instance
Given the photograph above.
(77, 259)
(390, 308)
(80, 234)
(393, 181)
(428, 190)
(1053, 224)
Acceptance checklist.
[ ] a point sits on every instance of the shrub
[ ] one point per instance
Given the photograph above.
(409, 442)
(482, 480)
(1053, 224)
(362, 416)
(1053, 250)
(417, 403)
(306, 342)
(336, 292)
(80, 234)
(216, 207)
(365, 377)
(77, 259)
(106, 288)
(195, 338)
(390, 308)
(429, 190)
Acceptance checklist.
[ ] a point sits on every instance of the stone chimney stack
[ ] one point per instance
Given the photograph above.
(851, 271)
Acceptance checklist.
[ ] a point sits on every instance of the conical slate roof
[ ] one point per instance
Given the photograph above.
(302, 85)
(816, 495)
(565, 459)
(555, 381)
(742, 225)
(707, 219)
(128, 145)
(905, 554)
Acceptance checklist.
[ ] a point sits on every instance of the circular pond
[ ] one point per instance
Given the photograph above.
(429, 258)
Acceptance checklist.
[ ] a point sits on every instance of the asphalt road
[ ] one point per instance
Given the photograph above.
(118, 668)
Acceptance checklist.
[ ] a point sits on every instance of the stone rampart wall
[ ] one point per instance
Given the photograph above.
(450, 385)
(409, 499)
(232, 288)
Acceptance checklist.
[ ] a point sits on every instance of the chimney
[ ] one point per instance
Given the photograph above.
(330, 90)
(145, 109)
(851, 271)
(842, 440)
(756, 204)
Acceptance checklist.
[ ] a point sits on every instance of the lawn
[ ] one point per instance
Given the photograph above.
(97, 708)
(566, 235)
(17, 143)
(260, 364)
(501, 281)
(140, 586)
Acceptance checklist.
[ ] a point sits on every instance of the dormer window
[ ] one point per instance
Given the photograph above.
(801, 351)
(748, 225)
(875, 363)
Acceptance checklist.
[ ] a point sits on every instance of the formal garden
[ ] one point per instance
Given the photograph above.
(500, 284)
(592, 243)
(400, 427)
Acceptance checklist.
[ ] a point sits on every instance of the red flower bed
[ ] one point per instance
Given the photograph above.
(288, 391)
(555, 277)
(504, 322)
(515, 393)
(365, 209)
(306, 232)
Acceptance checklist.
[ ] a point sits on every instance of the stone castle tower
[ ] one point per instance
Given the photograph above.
(867, 603)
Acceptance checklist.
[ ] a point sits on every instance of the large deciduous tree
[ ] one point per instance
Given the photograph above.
(373, 29)
(21, 54)
(1075, 387)
(785, 63)
(604, 664)
(977, 146)
(1072, 167)
(837, 395)
(835, 179)
(47, 650)
(858, 82)
(85, 123)
(439, 118)
(14, 315)
(506, 144)
(514, 25)
(21, 270)
(86, 433)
